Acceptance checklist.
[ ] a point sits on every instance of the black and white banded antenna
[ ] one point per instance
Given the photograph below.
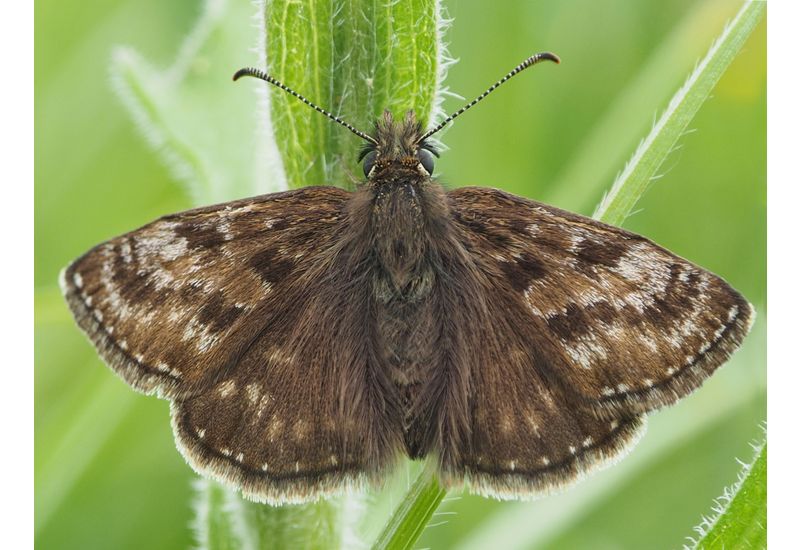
(258, 73)
(532, 60)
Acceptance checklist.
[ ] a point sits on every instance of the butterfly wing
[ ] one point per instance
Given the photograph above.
(232, 312)
(593, 326)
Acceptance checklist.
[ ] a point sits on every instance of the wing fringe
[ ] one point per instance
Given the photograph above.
(550, 479)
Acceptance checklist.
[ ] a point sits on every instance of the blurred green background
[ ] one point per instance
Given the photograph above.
(107, 472)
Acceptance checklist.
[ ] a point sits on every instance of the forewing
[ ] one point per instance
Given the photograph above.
(172, 303)
(619, 324)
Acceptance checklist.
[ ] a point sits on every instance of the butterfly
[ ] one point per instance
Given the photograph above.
(308, 340)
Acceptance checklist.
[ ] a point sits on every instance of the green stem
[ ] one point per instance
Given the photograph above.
(415, 511)
(213, 530)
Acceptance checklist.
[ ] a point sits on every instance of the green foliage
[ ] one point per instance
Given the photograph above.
(413, 514)
(225, 521)
(653, 151)
(354, 58)
(740, 513)
(202, 146)
(107, 473)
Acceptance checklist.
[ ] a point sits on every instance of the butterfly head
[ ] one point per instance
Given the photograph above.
(398, 152)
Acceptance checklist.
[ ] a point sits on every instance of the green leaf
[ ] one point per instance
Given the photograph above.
(740, 513)
(642, 168)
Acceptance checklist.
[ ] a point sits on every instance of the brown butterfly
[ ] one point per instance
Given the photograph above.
(307, 340)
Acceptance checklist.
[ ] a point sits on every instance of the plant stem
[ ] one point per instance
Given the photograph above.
(410, 518)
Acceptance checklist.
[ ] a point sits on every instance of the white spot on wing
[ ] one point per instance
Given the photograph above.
(506, 423)
(226, 388)
(531, 418)
(301, 429)
(203, 337)
(648, 341)
(586, 351)
(162, 242)
(252, 391)
(275, 429)
(126, 251)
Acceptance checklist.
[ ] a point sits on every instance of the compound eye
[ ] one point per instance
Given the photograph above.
(426, 159)
(369, 162)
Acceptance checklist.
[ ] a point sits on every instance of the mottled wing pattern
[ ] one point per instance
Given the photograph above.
(528, 438)
(210, 309)
(165, 304)
(291, 421)
(593, 326)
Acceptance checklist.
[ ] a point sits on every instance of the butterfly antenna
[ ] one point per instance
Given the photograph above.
(532, 60)
(257, 73)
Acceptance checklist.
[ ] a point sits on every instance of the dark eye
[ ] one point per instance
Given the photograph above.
(369, 162)
(426, 159)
